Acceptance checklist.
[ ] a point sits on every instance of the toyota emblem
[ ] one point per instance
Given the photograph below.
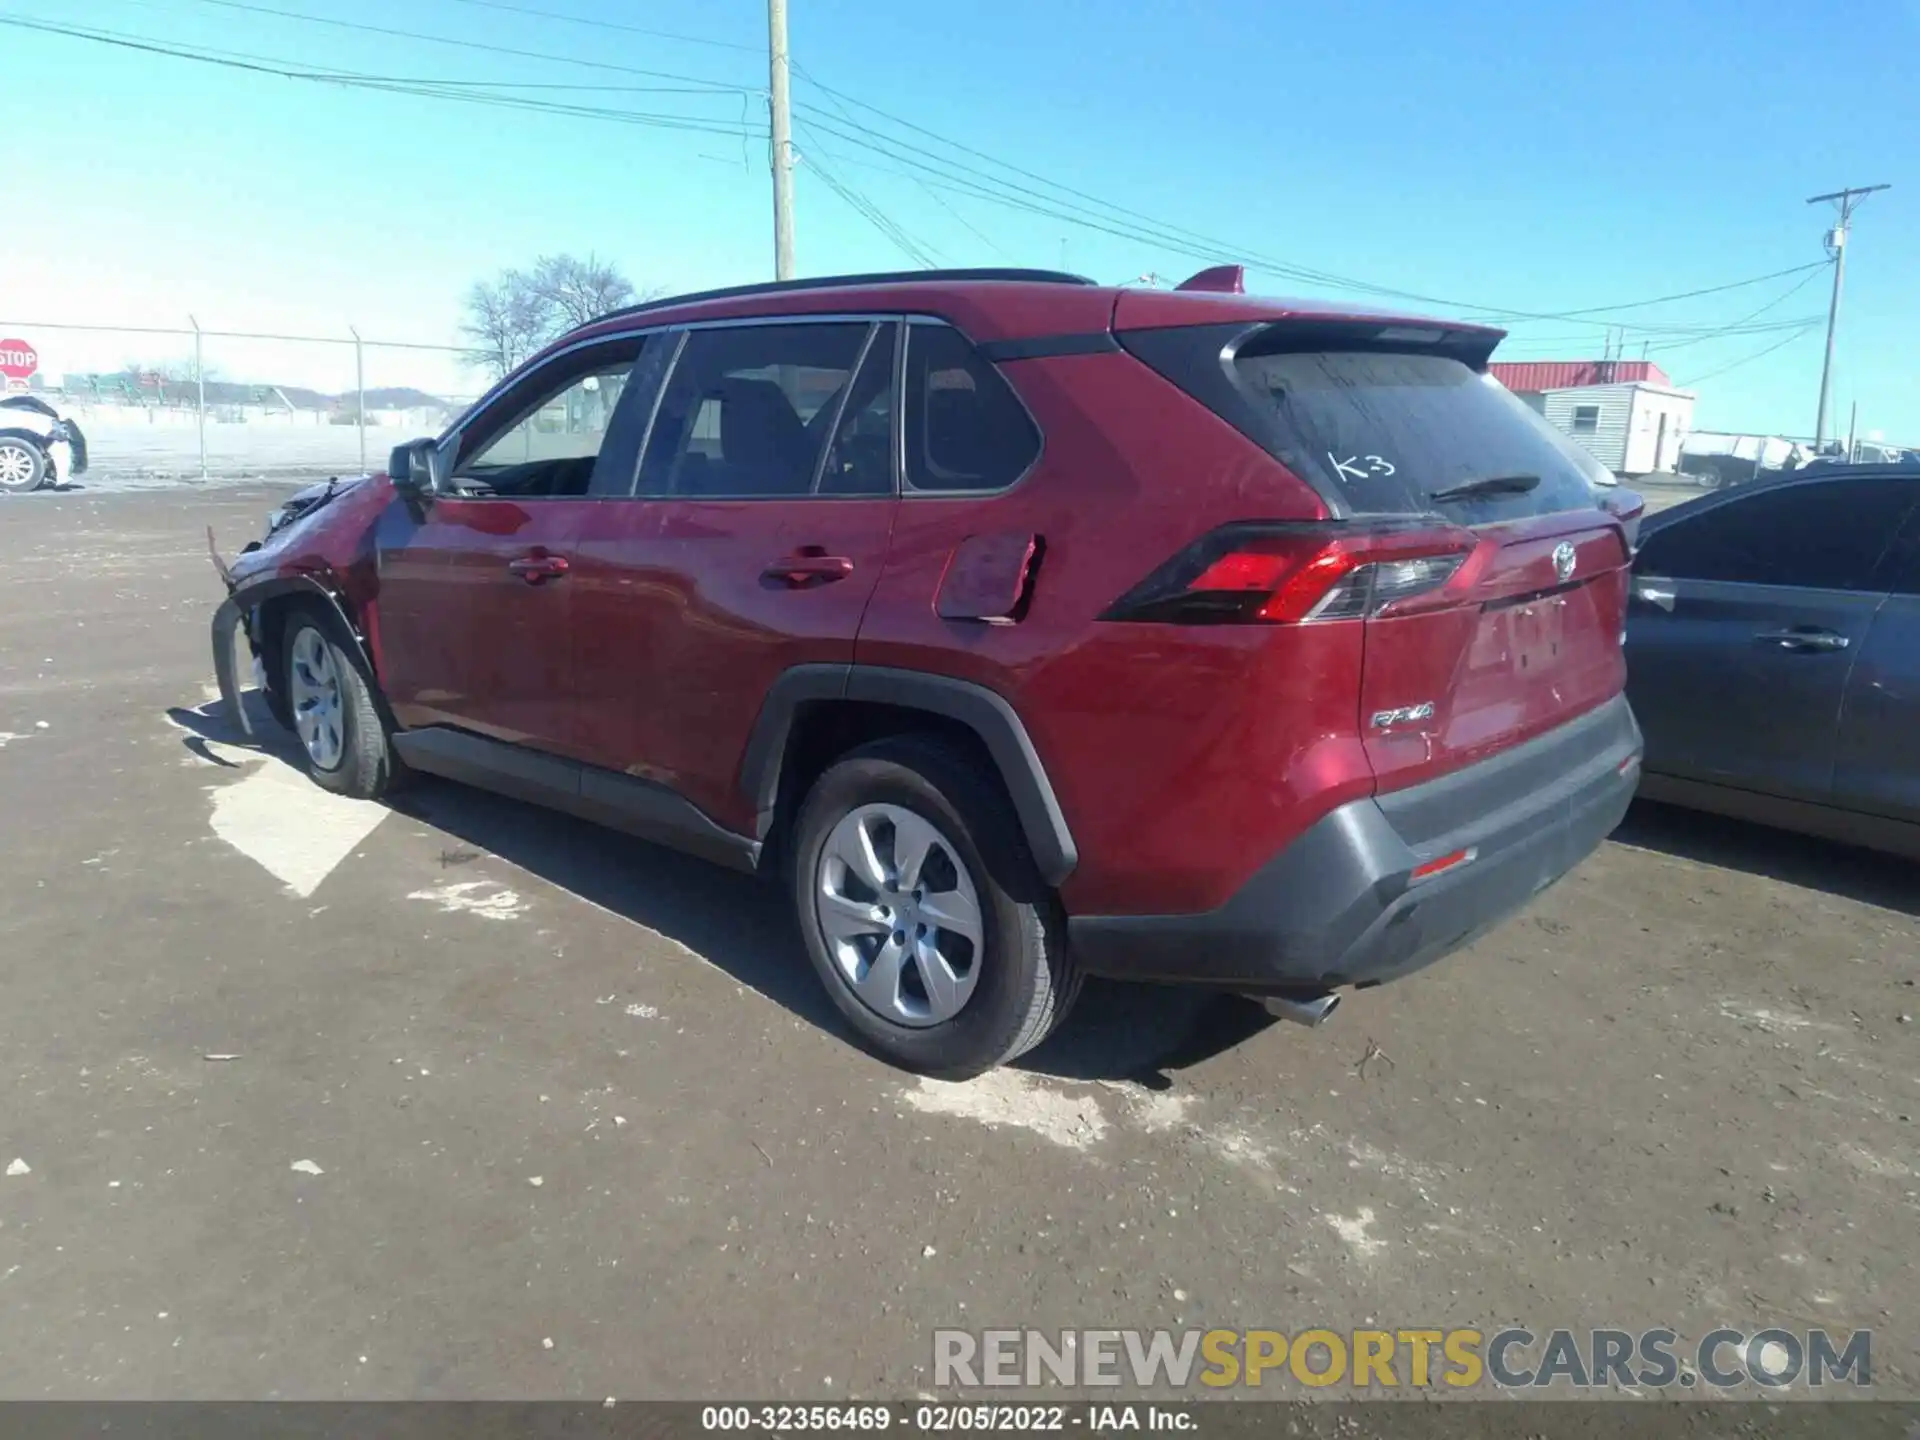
(1563, 560)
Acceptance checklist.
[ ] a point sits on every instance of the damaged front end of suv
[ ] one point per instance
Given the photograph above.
(315, 554)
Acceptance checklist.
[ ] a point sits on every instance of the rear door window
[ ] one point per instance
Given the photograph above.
(1812, 536)
(860, 459)
(747, 408)
(1393, 433)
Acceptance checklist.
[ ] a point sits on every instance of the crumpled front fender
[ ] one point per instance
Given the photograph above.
(236, 613)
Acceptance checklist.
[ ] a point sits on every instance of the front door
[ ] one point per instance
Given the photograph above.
(1744, 624)
(475, 609)
(755, 539)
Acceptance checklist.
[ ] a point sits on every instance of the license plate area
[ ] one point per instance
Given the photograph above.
(1536, 635)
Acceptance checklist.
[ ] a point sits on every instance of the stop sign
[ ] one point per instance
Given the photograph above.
(18, 359)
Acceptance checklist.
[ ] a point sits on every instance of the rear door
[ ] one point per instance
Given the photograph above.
(753, 543)
(1746, 622)
(476, 626)
(1876, 759)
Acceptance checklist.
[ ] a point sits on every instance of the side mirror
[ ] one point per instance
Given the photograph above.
(415, 467)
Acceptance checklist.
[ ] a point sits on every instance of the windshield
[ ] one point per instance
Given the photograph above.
(1389, 432)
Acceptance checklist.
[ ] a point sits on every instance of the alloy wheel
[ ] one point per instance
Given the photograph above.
(314, 691)
(900, 915)
(16, 466)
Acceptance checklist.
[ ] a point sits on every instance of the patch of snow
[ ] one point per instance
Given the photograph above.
(474, 897)
(1009, 1098)
(1354, 1232)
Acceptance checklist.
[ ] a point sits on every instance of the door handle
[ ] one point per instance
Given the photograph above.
(1816, 640)
(535, 568)
(800, 570)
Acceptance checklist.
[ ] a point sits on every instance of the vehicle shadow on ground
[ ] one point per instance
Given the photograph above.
(1804, 860)
(743, 924)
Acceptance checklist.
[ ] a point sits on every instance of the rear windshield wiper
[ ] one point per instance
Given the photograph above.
(1492, 485)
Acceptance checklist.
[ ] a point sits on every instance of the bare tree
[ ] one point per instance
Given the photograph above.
(518, 311)
(576, 290)
(506, 321)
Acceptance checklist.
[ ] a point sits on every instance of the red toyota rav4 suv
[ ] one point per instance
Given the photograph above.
(1026, 628)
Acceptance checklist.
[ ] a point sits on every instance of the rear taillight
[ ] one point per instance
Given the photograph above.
(1293, 574)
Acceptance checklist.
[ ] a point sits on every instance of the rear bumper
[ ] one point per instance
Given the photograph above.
(1341, 906)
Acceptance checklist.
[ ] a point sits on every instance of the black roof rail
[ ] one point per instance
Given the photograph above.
(830, 282)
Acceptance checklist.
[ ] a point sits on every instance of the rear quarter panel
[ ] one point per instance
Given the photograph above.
(1182, 757)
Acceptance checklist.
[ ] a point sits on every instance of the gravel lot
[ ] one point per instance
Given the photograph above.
(460, 1100)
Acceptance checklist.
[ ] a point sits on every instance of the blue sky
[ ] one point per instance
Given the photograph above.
(1540, 158)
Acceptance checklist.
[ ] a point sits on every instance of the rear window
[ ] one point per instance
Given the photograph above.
(1389, 432)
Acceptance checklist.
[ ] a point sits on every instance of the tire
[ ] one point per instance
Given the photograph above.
(23, 465)
(1018, 980)
(329, 695)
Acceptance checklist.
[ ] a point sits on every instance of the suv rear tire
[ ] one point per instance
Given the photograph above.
(923, 911)
(330, 700)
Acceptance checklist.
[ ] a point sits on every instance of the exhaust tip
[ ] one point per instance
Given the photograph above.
(1309, 1012)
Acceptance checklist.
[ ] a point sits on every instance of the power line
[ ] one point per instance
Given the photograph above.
(920, 184)
(347, 79)
(867, 210)
(1291, 271)
(1211, 248)
(1733, 329)
(1744, 326)
(1756, 355)
(480, 45)
(1695, 294)
(972, 180)
(612, 25)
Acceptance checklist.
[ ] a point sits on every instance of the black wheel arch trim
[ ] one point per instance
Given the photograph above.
(236, 613)
(985, 712)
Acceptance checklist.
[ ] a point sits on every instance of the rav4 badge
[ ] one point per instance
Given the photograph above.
(1405, 715)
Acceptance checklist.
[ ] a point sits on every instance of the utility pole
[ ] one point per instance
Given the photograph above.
(200, 394)
(1847, 201)
(360, 394)
(782, 142)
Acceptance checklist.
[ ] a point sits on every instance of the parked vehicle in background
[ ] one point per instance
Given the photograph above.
(1025, 628)
(38, 445)
(1720, 461)
(1773, 654)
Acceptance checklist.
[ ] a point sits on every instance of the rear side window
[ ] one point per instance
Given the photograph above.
(1814, 536)
(966, 429)
(746, 410)
(1392, 433)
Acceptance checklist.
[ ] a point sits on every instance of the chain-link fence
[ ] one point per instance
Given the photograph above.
(166, 405)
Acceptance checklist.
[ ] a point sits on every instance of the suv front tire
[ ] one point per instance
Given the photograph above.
(923, 911)
(329, 699)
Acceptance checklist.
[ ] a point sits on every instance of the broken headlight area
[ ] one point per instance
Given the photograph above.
(303, 503)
